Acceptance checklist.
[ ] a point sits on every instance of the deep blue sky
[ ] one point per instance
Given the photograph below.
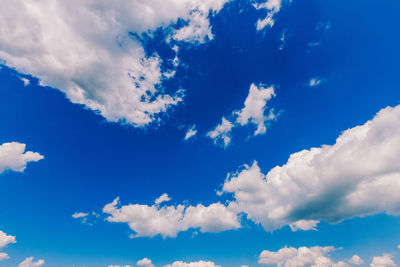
(88, 161)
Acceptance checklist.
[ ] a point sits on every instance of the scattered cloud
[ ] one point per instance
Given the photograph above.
(386, 260)
(168, 221)
(28, 262)
(163, 198)
(77, 215)
(5, 240)
(253, 112)
(303, 256)
(191, 132)
(25, 81)
(356, 260)
(254, 108)
(304, 225)
(145, 262)
(329, 183)
(314, 82)
(283, 40)
(221, 134)
(99, 63)
(272, 7)
(13, 157)
(193, 264)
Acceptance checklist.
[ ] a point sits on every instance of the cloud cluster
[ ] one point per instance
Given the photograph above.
(329, 183)
(92, 54)
(193, 264)
(272, 7)
(13, 157)
(168, 221)
(5, 240)
(29, 262)
(299, 257)
(386, 260)
(253, 112)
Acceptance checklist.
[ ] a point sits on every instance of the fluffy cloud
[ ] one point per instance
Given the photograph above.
(382, 261)
(193, 264)
(303, 256)
(28, 262)
(221, 134)
(356, 260)
(145, 262)
(5, 240)
(272, 7)
(253, 112)
(163, 198)
(254, 108)
(168, 221)
(98, 62)
(304, 225)
(191, 132)
(13, 157)
(329, 183)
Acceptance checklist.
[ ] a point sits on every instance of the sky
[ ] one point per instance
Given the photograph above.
(199, 133)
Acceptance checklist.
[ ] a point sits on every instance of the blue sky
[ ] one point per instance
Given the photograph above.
(105, 146)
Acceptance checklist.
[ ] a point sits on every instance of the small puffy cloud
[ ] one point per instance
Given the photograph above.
(25, 81)
(304, 225)
(163, 198)
(356, 260)
(119, 266)
(13, 157)
(29, 262)
(386, 260)
(314, 82)
(299, 257)
(193, 264)
(330, 183)
(5, 240)
(253, 112)
(191, 132)
(254, 108)
(100, 63)
(145, 262)
(221, 134)
(77, 215)
(168, 221)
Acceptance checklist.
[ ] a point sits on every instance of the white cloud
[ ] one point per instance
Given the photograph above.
(77, 215)
(191, 132)
(168, 221)
(28, 262)
(386, 260)
(253, 112)
(13, 157)
(304, 225)
(221, 134)
(163, 198)
(314, 82)
(119, 266)
(356, 260)
(193, 264)
(329, 183)
(25, 81)
(98, 63)
(145, 262)
(272, 7)
(254, 108)
(303, 256)
(5, 240)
